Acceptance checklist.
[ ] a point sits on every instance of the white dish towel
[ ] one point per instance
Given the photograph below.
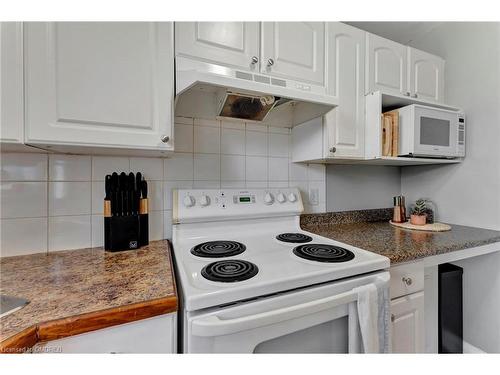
(373, 315)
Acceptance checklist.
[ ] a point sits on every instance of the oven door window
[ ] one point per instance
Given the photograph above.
(434, 131)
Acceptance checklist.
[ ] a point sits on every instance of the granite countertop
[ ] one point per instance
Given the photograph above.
(370, 230)
(77, 291)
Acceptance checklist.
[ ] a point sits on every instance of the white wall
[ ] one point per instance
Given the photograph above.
(350, 187)
(54, 202)
(469, 193)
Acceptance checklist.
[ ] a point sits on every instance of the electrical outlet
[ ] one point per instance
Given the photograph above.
(313, 196)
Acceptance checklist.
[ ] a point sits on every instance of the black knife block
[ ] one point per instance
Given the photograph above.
(121, 233)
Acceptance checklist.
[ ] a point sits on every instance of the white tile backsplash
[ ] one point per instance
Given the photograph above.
(232, 142)
(69, 198)
(69, 232)
(278, 145)
(256, 168)
(69, 168)
(66, 211)
(23, 236)
(23, 199)
(206, 167)
(103, 165)
(278, 169)
(23, 167)
(206, 139)
(178, 167)
(151, 168)
(232, 167)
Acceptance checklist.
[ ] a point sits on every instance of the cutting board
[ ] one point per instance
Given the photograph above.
(435, 227)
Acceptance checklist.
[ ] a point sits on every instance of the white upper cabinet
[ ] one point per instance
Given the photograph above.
(426, 75)
(294, 50)
(346, 78)
(386, 66)
(228, 43)
(11, 83)
(100, 84)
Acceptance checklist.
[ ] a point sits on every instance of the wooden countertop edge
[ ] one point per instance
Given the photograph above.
(74, 325)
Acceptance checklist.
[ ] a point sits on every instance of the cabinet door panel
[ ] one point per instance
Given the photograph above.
(407, 328)
(225, 43)
(99, 84)
(346, 67)
(297, 49)
(387, 65)
(426, 75)
(11, 83)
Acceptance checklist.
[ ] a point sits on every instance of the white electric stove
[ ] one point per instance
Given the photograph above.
(250, 277)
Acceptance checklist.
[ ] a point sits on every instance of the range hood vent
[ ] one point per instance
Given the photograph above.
(211, 91)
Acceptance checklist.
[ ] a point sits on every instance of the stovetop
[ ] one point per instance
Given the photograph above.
(278, 267)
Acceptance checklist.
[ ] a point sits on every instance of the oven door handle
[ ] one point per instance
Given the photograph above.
(213, 325)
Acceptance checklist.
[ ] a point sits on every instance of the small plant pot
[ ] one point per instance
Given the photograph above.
(418, 219)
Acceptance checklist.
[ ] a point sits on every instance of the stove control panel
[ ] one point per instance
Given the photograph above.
(198, 205)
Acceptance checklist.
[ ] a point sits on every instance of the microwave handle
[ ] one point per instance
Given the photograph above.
(212, 325)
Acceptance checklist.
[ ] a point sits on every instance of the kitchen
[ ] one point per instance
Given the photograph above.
(250, 187)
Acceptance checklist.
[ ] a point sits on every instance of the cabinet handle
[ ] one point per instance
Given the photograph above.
(333, 150)
(255, 60)
(393, 318)
(407, 280)
(270, 62)
(165, 138)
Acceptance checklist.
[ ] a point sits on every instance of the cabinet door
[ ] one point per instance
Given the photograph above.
(346, 73)
(407, 328)
(386, 66)
(106, 84)
(11, 83)
(294, 50)
(426, 75)
(226, 43)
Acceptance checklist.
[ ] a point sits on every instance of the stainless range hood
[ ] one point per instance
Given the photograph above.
(212, 91)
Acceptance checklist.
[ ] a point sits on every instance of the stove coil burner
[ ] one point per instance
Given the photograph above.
(229, 271)
(218, 249)
(323, 253)
(294, 237)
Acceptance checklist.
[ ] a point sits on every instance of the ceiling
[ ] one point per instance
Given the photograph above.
(402, 32)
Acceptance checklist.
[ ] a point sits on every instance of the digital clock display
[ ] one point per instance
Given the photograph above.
(245, 200)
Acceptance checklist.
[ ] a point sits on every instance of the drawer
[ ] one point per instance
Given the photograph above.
(406, 279)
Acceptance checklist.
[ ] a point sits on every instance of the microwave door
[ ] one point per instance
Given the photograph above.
(435, 133)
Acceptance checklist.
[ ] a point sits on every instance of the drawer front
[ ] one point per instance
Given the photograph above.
(406, 279)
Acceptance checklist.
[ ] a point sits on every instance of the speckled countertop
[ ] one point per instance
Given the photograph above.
(399, 245)
(78, 283)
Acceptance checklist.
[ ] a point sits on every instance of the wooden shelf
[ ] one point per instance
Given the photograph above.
(387, 160)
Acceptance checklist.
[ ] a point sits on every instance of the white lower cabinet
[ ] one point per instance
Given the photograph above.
(407, 324)
(407, 308)
(104, 85)
(153, 335)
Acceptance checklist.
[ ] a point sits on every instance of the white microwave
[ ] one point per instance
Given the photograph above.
(431, 132)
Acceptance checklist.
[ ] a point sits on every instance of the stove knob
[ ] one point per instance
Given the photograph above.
(281, 198)
(189, 201)
(268, 198)
(292, 197)
(204, 200)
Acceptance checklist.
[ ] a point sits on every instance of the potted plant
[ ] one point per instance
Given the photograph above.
(418, 214)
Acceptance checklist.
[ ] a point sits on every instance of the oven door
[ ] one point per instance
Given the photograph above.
(436, 132)
(322, 319)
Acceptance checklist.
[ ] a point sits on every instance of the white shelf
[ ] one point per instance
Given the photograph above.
(390, 101)
(387, 160)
